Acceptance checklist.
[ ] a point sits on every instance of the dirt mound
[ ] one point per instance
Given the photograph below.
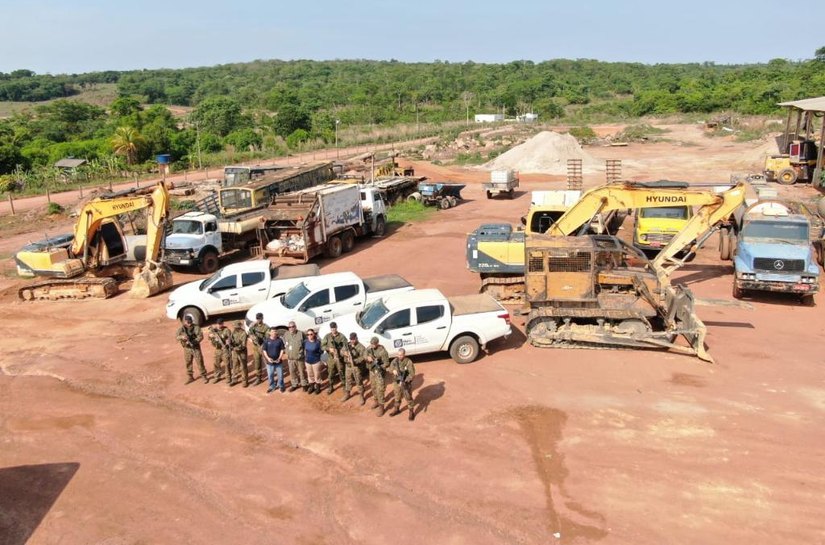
(545, 153)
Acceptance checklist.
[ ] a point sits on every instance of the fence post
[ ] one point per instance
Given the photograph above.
(48, 195)
(11, 203)
(81, 191)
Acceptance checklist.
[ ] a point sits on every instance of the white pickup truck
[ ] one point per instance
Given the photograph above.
(321, 299)
(235, 288)
(425, 321)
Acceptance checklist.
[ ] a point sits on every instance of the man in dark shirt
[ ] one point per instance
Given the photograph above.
(273, 351)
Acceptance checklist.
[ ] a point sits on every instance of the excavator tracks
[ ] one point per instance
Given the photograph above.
(69, 288)
(509, 289)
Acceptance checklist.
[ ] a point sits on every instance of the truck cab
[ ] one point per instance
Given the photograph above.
(654, 228)
(774, 253)
(194, 236)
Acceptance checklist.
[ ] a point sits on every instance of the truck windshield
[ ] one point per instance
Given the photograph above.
(294, 296)
(665, 212)
(778, 230)
(212, 279)
(187, 227)
(236, 198)
(372, 313)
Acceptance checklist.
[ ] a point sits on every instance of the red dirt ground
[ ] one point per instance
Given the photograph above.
(523, 446)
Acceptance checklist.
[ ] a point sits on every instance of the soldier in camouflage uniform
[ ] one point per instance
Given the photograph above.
(403, 371)
(258, 332)
(190, 336)
(378, 361)
(294, 343)
(239, 369)
(356, 358)
(219, 337)
(333, 343)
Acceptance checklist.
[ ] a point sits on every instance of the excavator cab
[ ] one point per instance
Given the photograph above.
(108, 244)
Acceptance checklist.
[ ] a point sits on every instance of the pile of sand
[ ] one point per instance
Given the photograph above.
(545, 153)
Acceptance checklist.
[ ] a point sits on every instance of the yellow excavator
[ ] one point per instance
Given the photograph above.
(597, 291)
(90, 262)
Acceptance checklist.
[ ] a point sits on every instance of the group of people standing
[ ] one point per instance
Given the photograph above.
(305, 355)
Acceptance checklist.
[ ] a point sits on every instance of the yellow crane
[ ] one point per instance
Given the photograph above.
(90, 263)
(598, 291)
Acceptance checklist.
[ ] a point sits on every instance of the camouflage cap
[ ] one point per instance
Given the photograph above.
(219, 321)
(374, 340)
(353, 336)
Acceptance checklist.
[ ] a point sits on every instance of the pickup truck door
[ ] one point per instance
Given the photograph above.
(348, 299)
(397, 332)
(315, 310)
(432, 325)
(254, 288)
(223, 295)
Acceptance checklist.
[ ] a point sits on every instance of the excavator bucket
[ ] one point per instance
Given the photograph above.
(679, 303)
(150, 279)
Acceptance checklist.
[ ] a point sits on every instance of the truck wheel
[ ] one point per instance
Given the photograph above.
(464, 349)
(489, 195)
(347, 241)
(808, 301)
(511, 194)
(209, 262)
(194, 312)
(444, 204)
(380, 226)
(738, 293)
(786, 176)
(724, 245)
(732, 243)
(334, 247)
(453, 201)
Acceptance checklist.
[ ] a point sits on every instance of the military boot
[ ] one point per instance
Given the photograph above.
(205, 379)
(306, 388)
(293, 387)
(317, 388)
(380, 410)
(412, 414)
(363, 399)
(375, 405)
(256, 381)
(396, 410)
(329, 391)
(346, 397)
(190, 380)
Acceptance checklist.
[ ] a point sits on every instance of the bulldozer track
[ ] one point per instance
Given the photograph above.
(79, 288)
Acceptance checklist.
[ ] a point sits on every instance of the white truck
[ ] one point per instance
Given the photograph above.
(502, 182)
(425, 321)
(319, 300)
(235, 288)
(324, 219)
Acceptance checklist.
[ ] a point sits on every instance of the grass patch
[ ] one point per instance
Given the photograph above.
(408, 212)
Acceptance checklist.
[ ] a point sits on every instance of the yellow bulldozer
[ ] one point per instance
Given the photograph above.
(90, 262)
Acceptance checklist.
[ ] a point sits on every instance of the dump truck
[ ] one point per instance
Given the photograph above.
(441, 194)
(97, 256)
(597, 291)
(501, 182)
(322, 220)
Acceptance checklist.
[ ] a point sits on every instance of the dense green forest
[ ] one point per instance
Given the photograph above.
(274, 106)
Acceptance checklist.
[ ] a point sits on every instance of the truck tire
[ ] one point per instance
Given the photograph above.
(733, 243)
(453, 201)
(786, 176)
(347, 241)
(414, 197)
(208, 262)
(511, 194)
(464, 349)
(334, 247)
(724, 245)
(489, 195)
(194, 312)
(380, 226)
(444, 204)
(807, 300)
(738, 293)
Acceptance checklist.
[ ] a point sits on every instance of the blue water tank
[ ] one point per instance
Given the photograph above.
(164, 159)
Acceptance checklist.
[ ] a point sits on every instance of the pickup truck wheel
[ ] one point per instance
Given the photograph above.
(347, 241)
(208, 262)
(464, 349)
(334, 247)
(194, 312)
(380, 227)
(786, 176)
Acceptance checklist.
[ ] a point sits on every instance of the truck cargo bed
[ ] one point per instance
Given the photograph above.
(473, 304)
(285, 272)
(385, 282)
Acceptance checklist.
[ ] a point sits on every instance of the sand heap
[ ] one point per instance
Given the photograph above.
(545, 153)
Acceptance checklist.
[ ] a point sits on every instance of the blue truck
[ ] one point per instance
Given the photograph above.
(770, 244)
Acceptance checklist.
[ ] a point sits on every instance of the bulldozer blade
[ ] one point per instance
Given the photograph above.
(680, 309)
(150, 279)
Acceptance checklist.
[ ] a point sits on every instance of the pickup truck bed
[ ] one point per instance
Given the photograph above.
(285, 272)
(473, 304)
(385, 282)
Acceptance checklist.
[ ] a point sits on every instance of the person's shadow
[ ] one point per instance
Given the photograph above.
(427, 394)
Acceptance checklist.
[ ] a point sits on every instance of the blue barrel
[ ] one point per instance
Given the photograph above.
(164, 159)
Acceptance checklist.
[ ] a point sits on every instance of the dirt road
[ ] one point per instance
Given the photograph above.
(102, 443)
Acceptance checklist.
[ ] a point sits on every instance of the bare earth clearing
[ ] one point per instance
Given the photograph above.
(603, 446)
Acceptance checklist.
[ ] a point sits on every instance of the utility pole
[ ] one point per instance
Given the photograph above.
(337, 153)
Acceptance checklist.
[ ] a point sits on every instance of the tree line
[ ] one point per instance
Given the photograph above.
(278, 105)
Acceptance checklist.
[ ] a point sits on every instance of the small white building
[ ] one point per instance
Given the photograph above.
(489, 118)
(527, 118)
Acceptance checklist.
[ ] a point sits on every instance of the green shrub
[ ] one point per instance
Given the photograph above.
(585, 135)
(54, 208)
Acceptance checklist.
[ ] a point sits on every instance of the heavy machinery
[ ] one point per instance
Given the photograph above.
(597, 291)
(90, 263)
(800, 156)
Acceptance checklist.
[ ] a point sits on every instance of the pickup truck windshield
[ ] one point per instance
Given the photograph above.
(372, 313)
(786, 231)
(294, 296)
(211, 280)
(187, 227)
(665, 212)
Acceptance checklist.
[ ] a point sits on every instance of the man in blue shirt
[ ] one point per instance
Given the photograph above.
(273, 351)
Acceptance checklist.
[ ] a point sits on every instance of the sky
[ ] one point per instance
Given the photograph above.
(60, 37)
